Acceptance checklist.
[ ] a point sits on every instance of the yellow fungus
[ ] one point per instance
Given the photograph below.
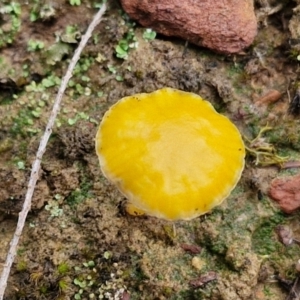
(133, 210)
(170, 153)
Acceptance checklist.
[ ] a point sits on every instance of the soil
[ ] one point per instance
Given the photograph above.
(78, 243)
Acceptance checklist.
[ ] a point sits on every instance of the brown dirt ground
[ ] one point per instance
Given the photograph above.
(78, 243)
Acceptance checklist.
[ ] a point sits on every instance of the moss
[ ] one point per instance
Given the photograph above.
(195, 294)
(231, 224)
(21, 123)
(235, 69)
(21, 266)
(5, 145)
(80, 194)
(286, 134)
(11, 12)
(43, 289)
(63, 268)
(264, 240)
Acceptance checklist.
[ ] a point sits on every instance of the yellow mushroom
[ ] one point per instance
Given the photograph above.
(170, 153)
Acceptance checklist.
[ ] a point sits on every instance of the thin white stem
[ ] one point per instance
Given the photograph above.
(41, 150)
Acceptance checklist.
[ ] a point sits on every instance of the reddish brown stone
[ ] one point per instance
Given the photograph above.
(226, 26)
(286, 191)
(269, 98)
(193, 249)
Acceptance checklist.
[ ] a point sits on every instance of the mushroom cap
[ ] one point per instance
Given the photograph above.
(170, 153)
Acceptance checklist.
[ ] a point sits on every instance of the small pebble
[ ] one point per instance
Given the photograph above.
(286, 192)
(197, 263)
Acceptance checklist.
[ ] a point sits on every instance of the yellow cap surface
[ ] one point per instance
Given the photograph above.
(170, 153)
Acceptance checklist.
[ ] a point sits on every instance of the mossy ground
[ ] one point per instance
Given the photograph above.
(78, 243)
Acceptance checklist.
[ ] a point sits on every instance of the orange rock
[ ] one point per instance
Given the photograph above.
(226, 26)
(286, 191)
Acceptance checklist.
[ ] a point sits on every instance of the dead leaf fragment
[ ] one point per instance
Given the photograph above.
(192, 249)
(294, 293)
(291, 164)
(285, 234)
(203, 279)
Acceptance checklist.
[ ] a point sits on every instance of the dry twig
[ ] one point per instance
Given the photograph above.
(41, 150)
